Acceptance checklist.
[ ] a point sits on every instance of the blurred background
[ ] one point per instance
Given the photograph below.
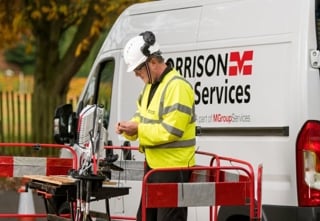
(46, 51)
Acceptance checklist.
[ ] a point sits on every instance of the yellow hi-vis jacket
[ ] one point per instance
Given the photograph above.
(166, 128)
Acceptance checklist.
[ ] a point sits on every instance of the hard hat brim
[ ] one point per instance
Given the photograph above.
(134, 66)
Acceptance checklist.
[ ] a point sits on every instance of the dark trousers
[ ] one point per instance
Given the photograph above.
(166, 214)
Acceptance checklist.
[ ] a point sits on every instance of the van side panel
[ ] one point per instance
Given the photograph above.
(249, 64)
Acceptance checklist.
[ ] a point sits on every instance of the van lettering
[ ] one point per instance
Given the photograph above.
(222, 94)
(230, 64)
(200, 61)
(179, 65)
(222, 118)
(210, 65)
(187, 67)
(240, 66)
(200, 65)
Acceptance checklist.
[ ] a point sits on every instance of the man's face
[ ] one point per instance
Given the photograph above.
(141, 71)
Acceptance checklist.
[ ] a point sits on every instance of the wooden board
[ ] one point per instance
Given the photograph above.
(109, 183)
(58, 180)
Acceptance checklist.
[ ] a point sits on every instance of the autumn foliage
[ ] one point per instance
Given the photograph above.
(42, 24)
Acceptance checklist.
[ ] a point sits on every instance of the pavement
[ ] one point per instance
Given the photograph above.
(9, 203)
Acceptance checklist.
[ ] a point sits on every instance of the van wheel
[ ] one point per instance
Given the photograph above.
(238, 218)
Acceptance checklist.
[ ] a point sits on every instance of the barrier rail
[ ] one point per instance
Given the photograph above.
(19, 166)
(228, 185)
(229, 181)
(215, 190)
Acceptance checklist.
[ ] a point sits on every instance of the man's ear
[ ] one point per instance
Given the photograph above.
(153, 61)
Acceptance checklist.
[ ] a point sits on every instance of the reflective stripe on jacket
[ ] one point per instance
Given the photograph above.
(166, 129)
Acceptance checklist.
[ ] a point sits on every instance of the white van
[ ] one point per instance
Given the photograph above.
(254, 66)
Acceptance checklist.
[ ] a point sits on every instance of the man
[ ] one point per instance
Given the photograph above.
(165, 119)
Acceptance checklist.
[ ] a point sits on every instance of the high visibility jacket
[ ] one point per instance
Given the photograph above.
(166, 128)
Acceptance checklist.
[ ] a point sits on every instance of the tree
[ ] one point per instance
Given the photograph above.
(43, 24)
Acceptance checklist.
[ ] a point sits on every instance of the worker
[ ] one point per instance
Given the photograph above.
(164, 121)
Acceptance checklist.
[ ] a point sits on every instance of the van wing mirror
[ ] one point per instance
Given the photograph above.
(65, 122)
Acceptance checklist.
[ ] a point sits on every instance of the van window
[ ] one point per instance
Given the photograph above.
(99, 88)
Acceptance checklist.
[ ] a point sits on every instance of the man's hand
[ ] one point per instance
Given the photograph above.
(128, 127)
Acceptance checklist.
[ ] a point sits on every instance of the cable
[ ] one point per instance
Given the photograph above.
(149, 73)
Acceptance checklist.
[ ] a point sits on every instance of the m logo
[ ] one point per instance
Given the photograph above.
(239, 63)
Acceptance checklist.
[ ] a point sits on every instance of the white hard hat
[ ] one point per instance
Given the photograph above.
(138, 49)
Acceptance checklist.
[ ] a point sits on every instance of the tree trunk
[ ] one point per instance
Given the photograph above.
(45, 99)
(44, 104)
(53, 71)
